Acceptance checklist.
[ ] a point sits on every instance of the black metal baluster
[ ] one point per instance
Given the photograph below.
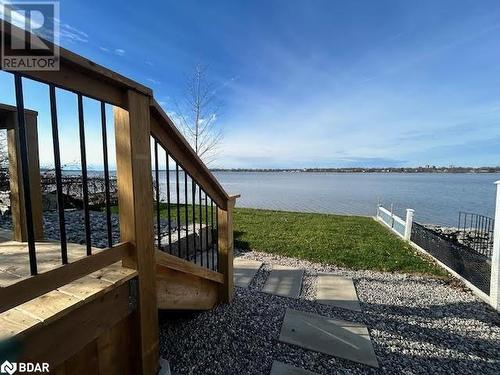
(187, 212)
(201, 229)
(193, 188)
(212, 232)
(178, 211)
(57, 164)
(83, 155)
(206, 229)
(106, 174)
(157, 186)
(476, 225)
(21, 123)
(169, 216)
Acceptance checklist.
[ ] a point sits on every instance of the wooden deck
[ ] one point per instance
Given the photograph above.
(56, 303)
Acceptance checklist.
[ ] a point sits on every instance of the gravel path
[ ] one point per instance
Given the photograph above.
(418, 325)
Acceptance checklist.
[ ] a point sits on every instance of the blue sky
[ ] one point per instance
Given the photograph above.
(309, 83)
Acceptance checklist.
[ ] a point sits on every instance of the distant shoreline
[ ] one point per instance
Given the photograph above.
(464, 170)
(367, 170)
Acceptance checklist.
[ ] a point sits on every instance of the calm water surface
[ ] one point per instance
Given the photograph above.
(436, 198)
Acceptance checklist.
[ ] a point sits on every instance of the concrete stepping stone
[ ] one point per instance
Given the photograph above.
(244, 271)
(284, 282)
(337, 291)
(339, 338)
(280, 368)
(164, 367)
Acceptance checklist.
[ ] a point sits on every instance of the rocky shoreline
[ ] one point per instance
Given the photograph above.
(479, 240)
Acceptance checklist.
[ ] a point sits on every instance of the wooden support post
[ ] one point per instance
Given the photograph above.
(226, 255)
(19, 232)
(135, 199)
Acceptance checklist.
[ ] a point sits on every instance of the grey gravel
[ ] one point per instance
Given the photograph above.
(418, 325)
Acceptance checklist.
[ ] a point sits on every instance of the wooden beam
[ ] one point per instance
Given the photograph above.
(163, 129)
(16, 180)
(82, 325)
(81, 75)
(135, 199)
(35, 286)
(172, 262)
(226, 251)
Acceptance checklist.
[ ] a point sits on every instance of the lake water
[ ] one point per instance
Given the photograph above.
(436, 198)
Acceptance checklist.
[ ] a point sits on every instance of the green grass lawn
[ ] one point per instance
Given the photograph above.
(349, 241)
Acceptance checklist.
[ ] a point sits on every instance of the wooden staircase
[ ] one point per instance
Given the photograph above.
(183, 285)
(88, 341)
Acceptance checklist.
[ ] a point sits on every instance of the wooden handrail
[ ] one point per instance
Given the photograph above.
(82, 75)
(45, 282)
(164, 130)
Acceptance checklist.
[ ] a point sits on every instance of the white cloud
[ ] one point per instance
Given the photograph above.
(119, 52)
(153, 81)
(72, 34)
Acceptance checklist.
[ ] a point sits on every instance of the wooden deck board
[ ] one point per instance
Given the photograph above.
(50, 306)
(14, 321)
(15, 259)
(115, 274)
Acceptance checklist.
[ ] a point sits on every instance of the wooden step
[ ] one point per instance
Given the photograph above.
(183, 285)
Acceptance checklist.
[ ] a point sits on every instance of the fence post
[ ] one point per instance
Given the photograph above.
(225, 242)
(495, 258)
(392, 215)
(409, 223)
(135, 199)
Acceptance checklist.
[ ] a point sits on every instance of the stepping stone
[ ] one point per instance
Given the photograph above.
(280, 368)
(337, 291)
(284, 282)
(244, 271)
(164, 367)
(339, 338)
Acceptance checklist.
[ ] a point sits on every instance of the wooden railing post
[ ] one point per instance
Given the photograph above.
(135, 199)
(19, 231)
(226, 251)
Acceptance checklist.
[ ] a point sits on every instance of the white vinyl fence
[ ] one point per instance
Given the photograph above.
(399, 226)
(403, 228)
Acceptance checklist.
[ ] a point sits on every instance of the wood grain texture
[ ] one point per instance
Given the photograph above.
(164, 260)
(164, 130)
(82, 75)
(17, 286)
(182, 291)
(135, 192)
(226, 251)
(84, 325)
(16, 180)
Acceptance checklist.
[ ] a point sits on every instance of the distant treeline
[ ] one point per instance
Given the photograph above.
(427, 169)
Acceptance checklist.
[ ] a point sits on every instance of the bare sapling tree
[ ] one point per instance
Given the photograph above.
(198, 114)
